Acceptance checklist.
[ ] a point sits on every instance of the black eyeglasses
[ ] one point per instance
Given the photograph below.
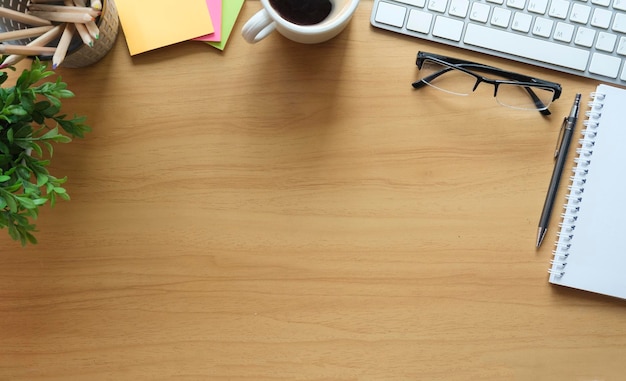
(459, 77)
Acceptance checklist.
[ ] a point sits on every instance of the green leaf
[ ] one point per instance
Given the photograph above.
(24, 131)
(62, 139)
(49, 147)
(4, 178)
(13, 188)
(40, 201)
(30, 238)
(10, 135)
(23, 172)
(50, 134)
(4, 148)
(37, 149)
(17, 110)
(13, 232)
(42, 179)
(26, 202)
(11, 203)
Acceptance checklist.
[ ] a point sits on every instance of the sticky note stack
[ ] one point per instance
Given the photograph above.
(159, 23)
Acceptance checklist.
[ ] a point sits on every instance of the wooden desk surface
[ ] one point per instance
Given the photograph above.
(290, 212)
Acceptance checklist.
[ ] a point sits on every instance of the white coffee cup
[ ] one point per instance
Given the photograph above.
(268, 19)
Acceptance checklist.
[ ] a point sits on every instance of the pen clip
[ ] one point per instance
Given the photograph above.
(559, 140)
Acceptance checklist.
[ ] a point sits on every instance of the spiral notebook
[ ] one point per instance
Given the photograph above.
(590, 253)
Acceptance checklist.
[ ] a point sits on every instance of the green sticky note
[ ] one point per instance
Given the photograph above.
(230, 12)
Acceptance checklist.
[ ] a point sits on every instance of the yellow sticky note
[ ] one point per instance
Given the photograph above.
(152, 24)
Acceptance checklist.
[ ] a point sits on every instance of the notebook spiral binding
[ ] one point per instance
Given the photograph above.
(576, 191)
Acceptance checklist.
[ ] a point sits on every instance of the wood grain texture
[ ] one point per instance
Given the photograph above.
(290, 212)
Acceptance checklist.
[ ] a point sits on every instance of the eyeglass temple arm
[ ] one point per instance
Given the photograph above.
(422, 82)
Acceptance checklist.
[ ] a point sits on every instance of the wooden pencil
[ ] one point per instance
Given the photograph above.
(64, 8)
(23, 17)
(68, 17)
(24, 33)
(26, 50)
(42, 40)
(93, 29)
(64, 44)
(84, 34)
(96, 4)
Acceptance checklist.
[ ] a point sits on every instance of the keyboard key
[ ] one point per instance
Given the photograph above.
(606, 42)
(437, 5)
(580, 13)
(601, 18)
(563, 32)
(480, 12)
(605, 65)
(559, 9)
(621, 46)
(521, 22)
(542, 27)
(459, 8)
(584, 37)
(501, 17)
(539, 6)
(390, 14)
(619, 24)
(523, 46)
(448, 28)
(619, 4)
(419, 21)
(516, 4)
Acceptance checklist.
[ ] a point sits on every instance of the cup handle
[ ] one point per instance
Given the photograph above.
(258, 27)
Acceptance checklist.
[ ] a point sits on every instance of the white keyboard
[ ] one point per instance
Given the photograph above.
(585, 38)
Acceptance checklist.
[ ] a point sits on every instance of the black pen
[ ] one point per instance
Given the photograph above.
(565, 137)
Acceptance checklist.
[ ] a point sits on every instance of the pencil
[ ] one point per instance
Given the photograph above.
(23, 17)
(64, 44)
(93, 29)
(26, 50)
(64, 8)
(42, 40)
(69, 17)
(24, 33)
(84, 34)
(96, 4)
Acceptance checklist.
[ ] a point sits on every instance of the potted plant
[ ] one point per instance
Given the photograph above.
(30, 117)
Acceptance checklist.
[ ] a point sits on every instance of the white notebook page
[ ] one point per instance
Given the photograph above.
(596, 259)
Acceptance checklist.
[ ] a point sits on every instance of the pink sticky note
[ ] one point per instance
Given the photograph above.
(215, 9)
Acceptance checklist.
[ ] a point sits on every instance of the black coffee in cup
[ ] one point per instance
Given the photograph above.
(303, 12)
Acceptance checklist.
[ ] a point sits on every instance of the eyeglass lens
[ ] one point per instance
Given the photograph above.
(449, 79)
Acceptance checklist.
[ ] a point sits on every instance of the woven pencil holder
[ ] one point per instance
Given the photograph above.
(79, 54)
